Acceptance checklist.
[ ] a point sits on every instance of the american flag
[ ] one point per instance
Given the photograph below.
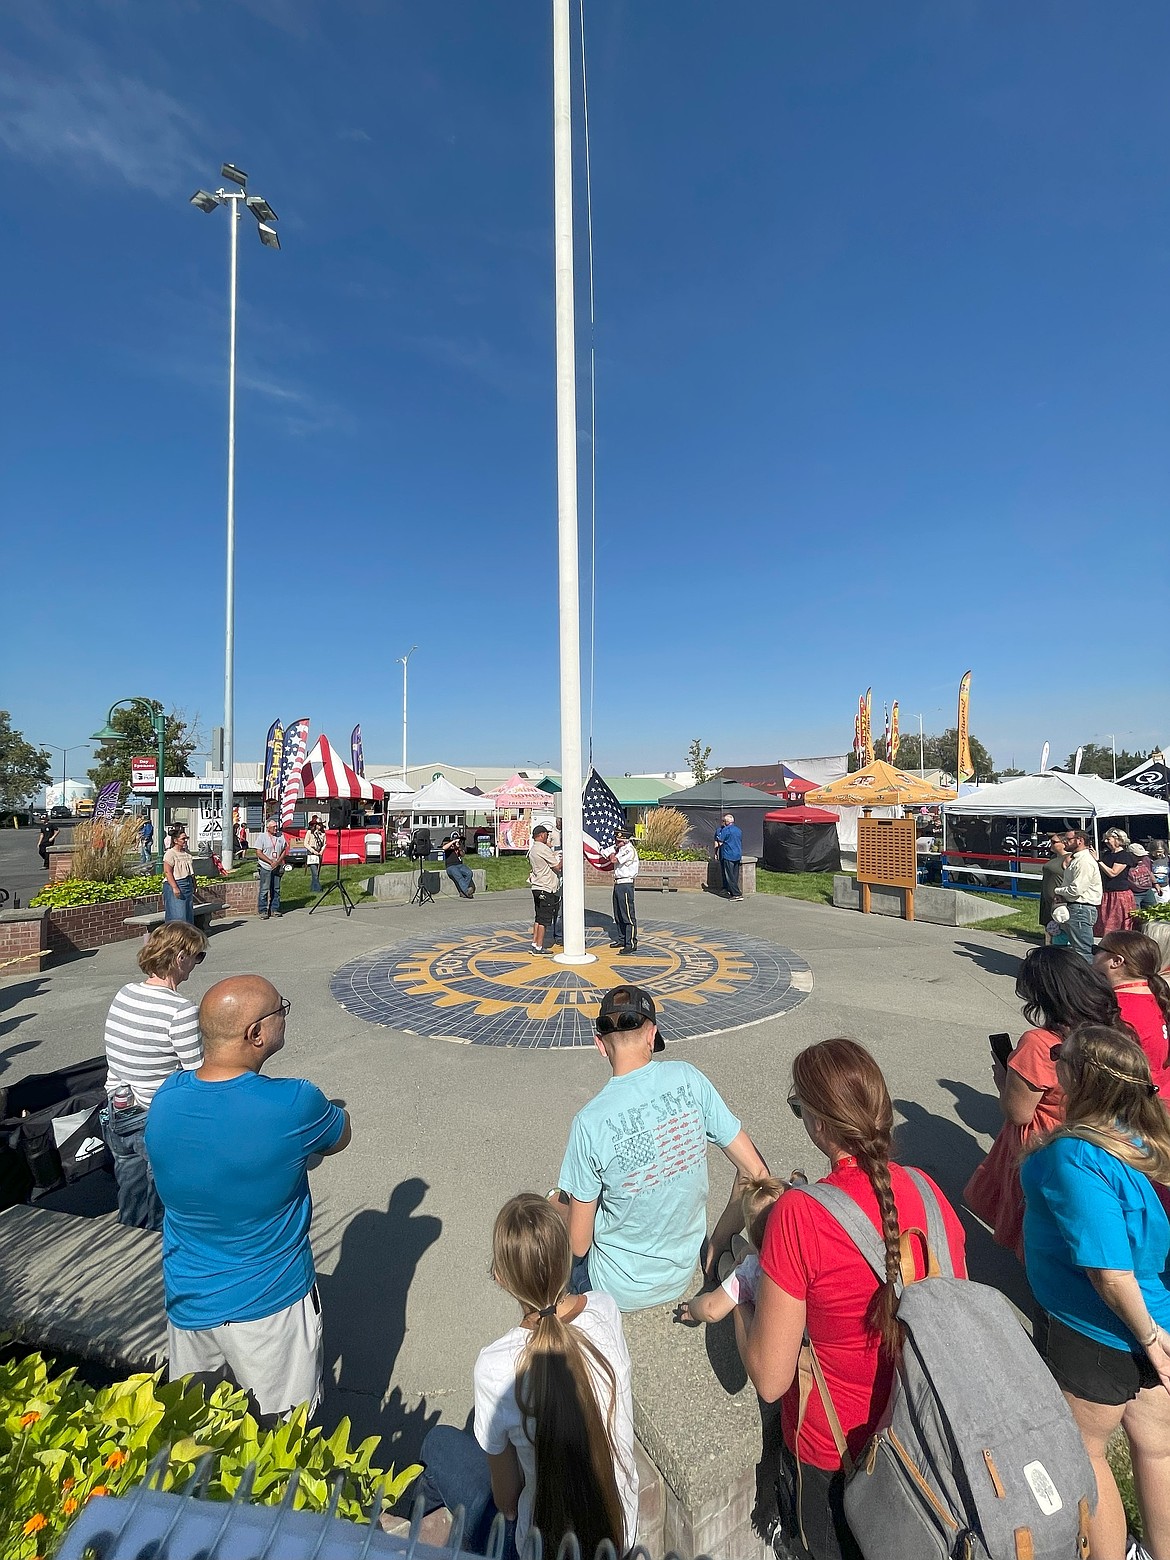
(296, 743)
(602, 814)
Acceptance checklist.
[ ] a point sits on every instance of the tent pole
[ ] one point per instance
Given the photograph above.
(573, 876)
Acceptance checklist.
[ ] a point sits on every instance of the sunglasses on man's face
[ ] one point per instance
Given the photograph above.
(616, 1021)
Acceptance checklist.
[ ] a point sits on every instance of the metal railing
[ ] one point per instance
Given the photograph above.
(955, 872)
(148, 1523)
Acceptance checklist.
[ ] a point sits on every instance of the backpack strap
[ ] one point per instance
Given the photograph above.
(936, 1231)
(854, 1222)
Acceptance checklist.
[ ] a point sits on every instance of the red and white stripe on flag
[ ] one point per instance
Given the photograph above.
(601, 815)
(296, 744)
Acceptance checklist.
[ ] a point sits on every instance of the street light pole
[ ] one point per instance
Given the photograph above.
(158, 724)
(404, 659)
(921, 752)
(235, 200)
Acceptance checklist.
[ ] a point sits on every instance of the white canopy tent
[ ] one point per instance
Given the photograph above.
(441, 798)
(1052, 795)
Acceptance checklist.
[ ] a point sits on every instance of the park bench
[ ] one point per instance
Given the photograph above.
(153, 918)
(662, 875)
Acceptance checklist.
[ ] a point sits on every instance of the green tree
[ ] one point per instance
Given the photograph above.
(24, 768)
(1098, 760)
(697, 756)
(137, 739)
(938, 753)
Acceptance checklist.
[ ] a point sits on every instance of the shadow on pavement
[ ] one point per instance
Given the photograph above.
(22, 991)
(364, 1306)
(996, 961)
(975, 1109)
(6, 1027)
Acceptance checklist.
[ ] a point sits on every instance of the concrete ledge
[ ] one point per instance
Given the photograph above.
(941, 906)
(396, 888)
(86, 1287)
(700, 1437)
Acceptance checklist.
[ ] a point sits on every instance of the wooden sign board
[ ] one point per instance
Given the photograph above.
(886, 856)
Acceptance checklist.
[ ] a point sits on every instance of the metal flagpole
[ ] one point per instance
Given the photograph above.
(227, 837)
(573, 879)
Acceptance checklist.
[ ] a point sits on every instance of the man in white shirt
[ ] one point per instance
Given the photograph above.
(1081, 892)
(271, 850)
(544, 881)
(625, 870)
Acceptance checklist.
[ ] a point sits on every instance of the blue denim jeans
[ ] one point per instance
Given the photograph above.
(1081, 921)
(180, 906)
(457, 1474)
(730, 878)
(579, 1276)
(461, 876)
(314, 877)
(139, 1206)
(269, 890)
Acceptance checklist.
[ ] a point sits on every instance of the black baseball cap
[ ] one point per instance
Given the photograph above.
(631, 1002)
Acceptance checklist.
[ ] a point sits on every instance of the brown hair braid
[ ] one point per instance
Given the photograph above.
(839, 1082)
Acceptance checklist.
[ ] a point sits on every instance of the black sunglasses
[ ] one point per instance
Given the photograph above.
(795, 1107)
(607, 1025)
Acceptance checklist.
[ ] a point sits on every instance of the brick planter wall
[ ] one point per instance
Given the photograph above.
(78, 927)
(60, 862)
(693, 876)
(23, 940)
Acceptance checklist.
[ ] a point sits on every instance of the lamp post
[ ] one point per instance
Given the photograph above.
(235, 200)
(73, 747)
(158, 721)
(403, 659)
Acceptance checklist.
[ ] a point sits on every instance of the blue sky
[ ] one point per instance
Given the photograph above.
(882, 370)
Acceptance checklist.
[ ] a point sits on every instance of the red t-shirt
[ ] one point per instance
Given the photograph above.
(810, 1257)
(1139, 1008)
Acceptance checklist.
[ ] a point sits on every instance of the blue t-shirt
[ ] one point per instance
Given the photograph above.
(640, 1148)
(1085, 1208)
(729, 838)
(230, 1161)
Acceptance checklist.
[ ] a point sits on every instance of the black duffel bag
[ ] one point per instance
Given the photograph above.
(50, 1132)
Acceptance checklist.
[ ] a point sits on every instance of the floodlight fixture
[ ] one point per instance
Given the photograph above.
(204, 200)
(268, 235)
(236, 175)
(260, 208)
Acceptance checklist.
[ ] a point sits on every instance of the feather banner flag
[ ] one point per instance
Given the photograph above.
(857, 738)
(895, 736)
(273, 761)
(1044, 752)
(355, 750)
(296, 745)
(107, 803)
(867, 752)
(964, 767)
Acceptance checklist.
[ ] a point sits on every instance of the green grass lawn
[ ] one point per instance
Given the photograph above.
(1019, 918)
(502, 872)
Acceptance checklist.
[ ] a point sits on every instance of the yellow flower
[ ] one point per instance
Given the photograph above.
(29, 1419)
(67, 1484)
(116, 1459)
(34, 1524)
(69, 1505)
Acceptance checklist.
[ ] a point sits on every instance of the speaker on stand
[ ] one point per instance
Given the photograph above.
(420, 850)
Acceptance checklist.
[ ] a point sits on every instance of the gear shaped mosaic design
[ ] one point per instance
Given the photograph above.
(482, 986)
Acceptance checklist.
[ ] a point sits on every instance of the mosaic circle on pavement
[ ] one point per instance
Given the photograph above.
(483, 986)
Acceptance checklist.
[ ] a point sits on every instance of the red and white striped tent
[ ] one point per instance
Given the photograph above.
(324, 775)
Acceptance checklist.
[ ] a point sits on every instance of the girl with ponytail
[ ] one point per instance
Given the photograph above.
(553, 1444)
(814, 1278)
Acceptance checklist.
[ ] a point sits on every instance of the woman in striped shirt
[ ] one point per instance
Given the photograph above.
(151, 1032)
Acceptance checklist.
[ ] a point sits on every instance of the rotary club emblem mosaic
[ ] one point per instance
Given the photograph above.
(484, 987)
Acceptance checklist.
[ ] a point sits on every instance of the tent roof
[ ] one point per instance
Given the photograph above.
(801, 815)
(1052, 795)
(880, 784)
(774, 778)
(442, 796)
(630, 790)
(325, 774)
(721, 793)
(520, 794)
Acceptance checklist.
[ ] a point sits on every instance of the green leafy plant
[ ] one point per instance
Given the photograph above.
(84, 891)
(1153, 913)
(63, 1442)
(672, 855)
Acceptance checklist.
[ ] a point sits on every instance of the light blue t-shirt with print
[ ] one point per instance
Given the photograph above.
(1085, 1208)
(640, 1149)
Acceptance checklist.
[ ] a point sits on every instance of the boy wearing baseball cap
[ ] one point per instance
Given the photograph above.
(635, 1169)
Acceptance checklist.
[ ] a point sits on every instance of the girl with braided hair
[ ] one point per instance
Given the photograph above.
(1097, 1252)
(553, 1441)
(813, 1277)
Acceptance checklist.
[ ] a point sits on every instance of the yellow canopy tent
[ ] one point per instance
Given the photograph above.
(879, 785)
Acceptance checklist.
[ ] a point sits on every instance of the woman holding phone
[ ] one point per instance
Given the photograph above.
(1058, 989)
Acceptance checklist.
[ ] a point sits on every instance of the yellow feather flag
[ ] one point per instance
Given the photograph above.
(964, 765)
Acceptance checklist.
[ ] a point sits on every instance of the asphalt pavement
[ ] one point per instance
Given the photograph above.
(21, 873)
(444, 1133)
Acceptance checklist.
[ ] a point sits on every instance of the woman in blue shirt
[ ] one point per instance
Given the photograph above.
(1097, 1247)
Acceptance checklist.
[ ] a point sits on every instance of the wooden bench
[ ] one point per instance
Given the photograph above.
(148, 922)
(661, 875)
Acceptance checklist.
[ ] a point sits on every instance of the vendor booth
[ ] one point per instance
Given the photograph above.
(879, 790)
(441, 807)
(518, 802)
(352, 830)
(801, 839)
(703, 807)
(996, 837)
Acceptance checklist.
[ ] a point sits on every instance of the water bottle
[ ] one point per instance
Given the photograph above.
(122, 1098)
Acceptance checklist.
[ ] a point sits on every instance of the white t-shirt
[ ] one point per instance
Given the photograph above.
(741, 1284)
(498, 1421)
(626, 867)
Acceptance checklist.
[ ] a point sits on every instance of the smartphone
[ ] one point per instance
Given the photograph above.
(1001, 1048)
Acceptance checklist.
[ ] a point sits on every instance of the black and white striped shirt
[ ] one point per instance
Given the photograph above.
(151, 1032)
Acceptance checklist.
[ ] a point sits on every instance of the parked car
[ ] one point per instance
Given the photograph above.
(60, 812)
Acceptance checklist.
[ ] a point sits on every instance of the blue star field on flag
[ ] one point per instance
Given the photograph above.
(602, 814)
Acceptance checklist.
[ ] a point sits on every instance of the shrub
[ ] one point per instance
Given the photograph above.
(1153, 913)
(101, 846)
(665, 829)
(672, 855)
(62, 1442)
(84, 891)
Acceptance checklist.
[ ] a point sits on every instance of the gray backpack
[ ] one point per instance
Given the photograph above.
(977, 1456)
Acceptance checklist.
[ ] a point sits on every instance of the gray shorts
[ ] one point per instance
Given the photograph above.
(278, 1358)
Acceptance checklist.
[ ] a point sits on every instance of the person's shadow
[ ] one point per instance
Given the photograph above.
(364, 1307)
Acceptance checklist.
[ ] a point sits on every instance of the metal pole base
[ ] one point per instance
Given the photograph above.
(574, 958)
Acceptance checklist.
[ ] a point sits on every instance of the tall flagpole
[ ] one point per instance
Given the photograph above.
(573, 881)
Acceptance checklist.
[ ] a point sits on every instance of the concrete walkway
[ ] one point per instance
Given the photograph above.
(444, 1133)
